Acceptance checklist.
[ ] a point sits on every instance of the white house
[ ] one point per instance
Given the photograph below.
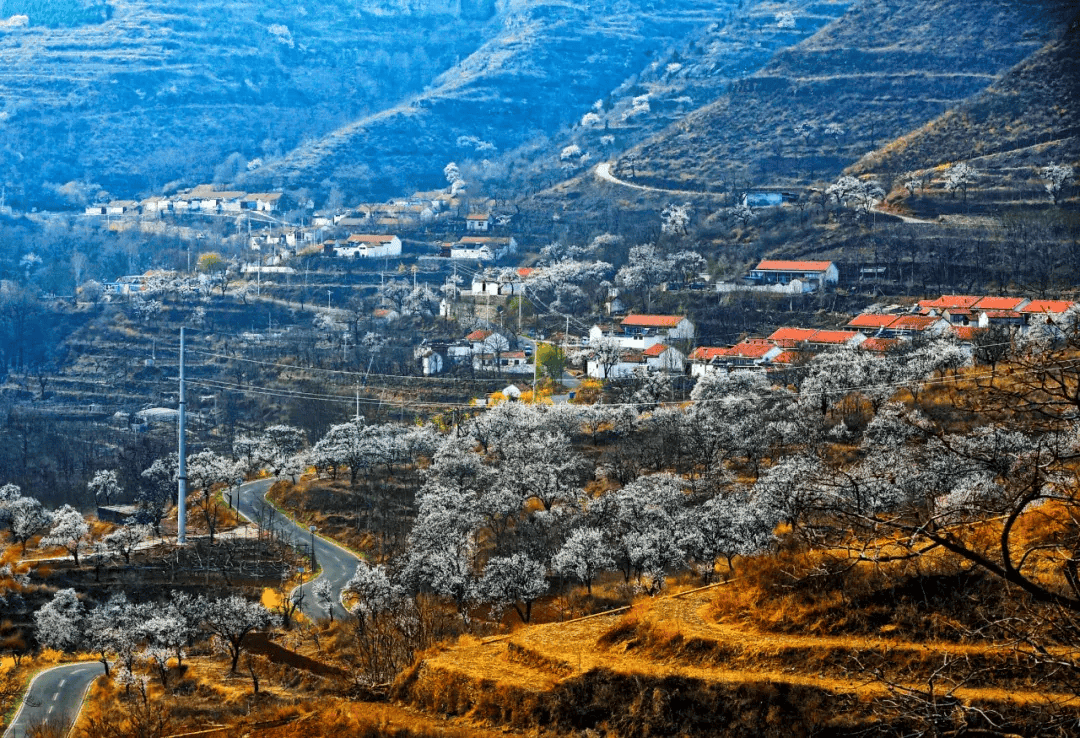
(642, 331)
(121, 207)
(431, 361)
(477, 222)
(507, 362)
(266, 202)
(369, 246)
(629, 364)
(663, 358)
(483, 248)
(752, 353)
(816, 273)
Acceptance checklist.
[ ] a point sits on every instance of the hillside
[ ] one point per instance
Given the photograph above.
(599, 76)
(1026, 120)
(821, 104)
(149, 92)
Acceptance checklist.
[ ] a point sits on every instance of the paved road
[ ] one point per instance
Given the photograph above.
(55, 695)
(338, 565)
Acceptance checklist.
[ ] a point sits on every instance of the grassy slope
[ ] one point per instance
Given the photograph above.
(864, 72)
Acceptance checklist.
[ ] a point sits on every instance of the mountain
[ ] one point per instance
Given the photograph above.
(879, 71)
(1027, 119)
(598, 75)
(132, 95)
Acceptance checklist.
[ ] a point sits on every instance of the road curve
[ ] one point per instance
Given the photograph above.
(603, 173)
(338, 564)
(55, 695)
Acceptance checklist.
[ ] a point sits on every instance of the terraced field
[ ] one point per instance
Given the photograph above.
(669, 666)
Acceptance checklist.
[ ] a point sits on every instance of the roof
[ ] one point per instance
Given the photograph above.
(1000, 303)
(914, 323)
(1046, 306)
(879, 345)
(752, 349)
(655, 350)
(950, 301)
(871, 320)
(785, 357)
(370, 238)
(477, 216)
(832, 336)
(264, 196)
(707, 353)
(478, 335)
(653, 321)
(484, 239)
(791, 336)
(965, 332)
(779, 265)
(1003, 314)
(524, 272)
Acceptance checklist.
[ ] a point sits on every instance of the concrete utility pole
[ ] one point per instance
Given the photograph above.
(181, 494)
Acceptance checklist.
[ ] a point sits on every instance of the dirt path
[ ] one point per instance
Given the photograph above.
(603, 173)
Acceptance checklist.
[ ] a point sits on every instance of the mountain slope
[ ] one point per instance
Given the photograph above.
(161, 90)
(881, 70)
(1029, 118)
(600, 75)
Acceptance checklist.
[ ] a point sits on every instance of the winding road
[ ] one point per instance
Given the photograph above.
(56, 696)
(338, 564)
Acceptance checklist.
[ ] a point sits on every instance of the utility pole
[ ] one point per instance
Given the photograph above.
(181, 494)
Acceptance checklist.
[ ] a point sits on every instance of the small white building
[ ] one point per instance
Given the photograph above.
(264, 202)
(369, 246)
(477, 222)
(483, 248)
(431, 361)
(663, 358)
(506, 362)
(773, 271)
(640, 332)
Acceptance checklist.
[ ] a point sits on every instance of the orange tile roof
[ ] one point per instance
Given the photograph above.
(476, 216)
(370, 238)
(1055, 307)
(752, 350)
(780, 265)
(478, 335)
(879, 345)
(484, 239)
(965, 332)
(871, 320)
(1002, 314)
(707, 353)
(652, 321)
(525, 272)
(832, 336)
(950, 301)
(655, 350)
(791, 336)
(914, 323)
(999, 303)
(785, 357)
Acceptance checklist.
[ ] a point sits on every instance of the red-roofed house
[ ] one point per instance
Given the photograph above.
(1008, 318)
(1000, 303)
(906, 326)
(797, 338)
(946, 302)
(1047, 311)
(965, 333)
(880, 345)
(813, 273)
(751, 353)
(871, 322)
(642, 331)
(663, 358)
